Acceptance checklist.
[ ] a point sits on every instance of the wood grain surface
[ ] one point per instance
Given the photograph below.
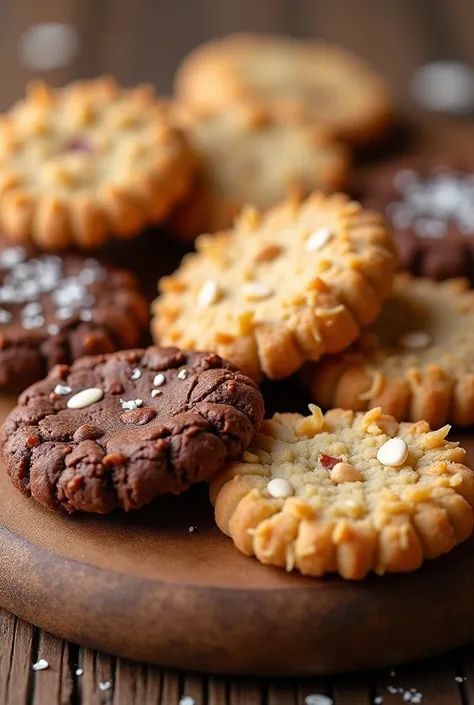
(144, 40)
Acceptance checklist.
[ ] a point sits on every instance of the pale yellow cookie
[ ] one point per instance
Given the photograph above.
(88, 161)
(346, 493)
(416, 361)
(249, 157)
(307, 81)
(282, 289)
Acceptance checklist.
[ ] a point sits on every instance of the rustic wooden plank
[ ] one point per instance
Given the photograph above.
(136, 684)
(352, 690)
(195, 686)
(433, 679)
(99, 671)
(312, 686)
(55, 684)
(19, 673)
(283, 692)
(7, 640)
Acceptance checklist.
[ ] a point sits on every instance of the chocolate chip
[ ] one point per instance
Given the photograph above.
(87, 433)
(139, 416)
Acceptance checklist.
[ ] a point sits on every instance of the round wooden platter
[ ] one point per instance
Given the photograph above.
(165, 586)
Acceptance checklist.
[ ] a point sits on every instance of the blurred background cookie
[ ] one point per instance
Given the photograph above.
(89, 161)
(415, 361)
(55, 309)
(248, 156)
(308, 81)
(430, 206)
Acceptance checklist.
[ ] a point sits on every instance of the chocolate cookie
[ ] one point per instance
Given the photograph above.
(431, 209)
(118, 430)
(53, 310)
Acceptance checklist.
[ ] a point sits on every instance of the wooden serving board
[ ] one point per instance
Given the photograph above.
(147, 587)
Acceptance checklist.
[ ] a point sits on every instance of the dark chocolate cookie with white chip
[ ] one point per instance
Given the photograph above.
(118, 430)
(54, 310)
(430, 206)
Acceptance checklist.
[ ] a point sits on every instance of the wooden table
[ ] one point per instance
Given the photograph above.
(144, 40)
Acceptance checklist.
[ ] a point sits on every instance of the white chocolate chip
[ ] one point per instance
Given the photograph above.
(131, 404)
(279, 488)
(393, 452)
(318, 239)
(182, 374)
(345, 472)
(136, 374)
(209, 293)
(62, 389)
(85, 398)
(159, 379)
(156, 392)
(414, 340)
(256, 291)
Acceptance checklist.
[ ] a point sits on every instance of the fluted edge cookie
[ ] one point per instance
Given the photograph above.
(281, 289)
(117, 430)
(415, 361)
(88, 161)
(346, 493)
(301, 81)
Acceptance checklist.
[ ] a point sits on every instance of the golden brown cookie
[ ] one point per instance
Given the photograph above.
(346, 493)
(249, 157)
(282, 289)
(299, 80)
(88, 161)
(415, 361)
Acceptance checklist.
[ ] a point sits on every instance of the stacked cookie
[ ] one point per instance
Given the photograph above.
(307, 287)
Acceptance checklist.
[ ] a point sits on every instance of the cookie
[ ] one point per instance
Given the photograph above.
(89, 161)
(415, 361)
(346, 493)
(430, 206)
(307, 81)
(280, 289)
(249, 157)
(53, 310)
(117, 430)
(193, 214)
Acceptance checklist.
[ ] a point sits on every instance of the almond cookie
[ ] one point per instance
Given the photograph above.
(430, 206)
(118, 430)
(282, 289)
(88, 161)
(415, 361)
(308, 81)
(346, 493)
(53, 310)
(248, 157)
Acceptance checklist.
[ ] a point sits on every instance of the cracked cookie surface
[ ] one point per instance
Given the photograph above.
(282, 289)
(117, 430)
(347, 493)
(415, 361)
(56, 309)
(302, 81)
(89, 161)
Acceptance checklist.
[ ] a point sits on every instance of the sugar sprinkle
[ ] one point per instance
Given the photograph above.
(136, 374)
(105, 686)
(41, 665)
(131, 404)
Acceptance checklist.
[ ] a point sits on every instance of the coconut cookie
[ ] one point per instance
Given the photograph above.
(346, 493)
(415, 361)
(249, 157)
(306, 81)
(118, 430)
(430, 206)
(88, 161)
(282, 289)
(53, 310)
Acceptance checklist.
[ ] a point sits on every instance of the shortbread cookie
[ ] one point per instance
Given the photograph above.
(307, 81)
(248, 157)
(416, 361)
(118, 430)
(88, 161)
(430, 206)
(53, 310)
(278, 290)
(346, 493)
